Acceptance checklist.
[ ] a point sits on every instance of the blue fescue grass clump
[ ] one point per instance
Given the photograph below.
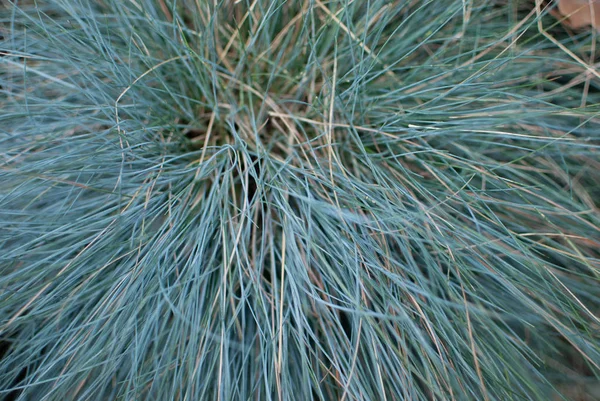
(297, 200)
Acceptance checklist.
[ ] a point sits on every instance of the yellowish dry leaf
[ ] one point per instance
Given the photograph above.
(580, 13)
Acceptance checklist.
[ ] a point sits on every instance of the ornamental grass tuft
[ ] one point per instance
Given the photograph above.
(298, 200)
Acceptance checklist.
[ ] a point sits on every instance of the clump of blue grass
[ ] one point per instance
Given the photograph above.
(297, 200)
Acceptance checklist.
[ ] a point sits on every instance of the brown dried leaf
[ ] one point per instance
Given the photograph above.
(580, 13)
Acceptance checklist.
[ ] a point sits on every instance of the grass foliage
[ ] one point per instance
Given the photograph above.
(297, 200)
